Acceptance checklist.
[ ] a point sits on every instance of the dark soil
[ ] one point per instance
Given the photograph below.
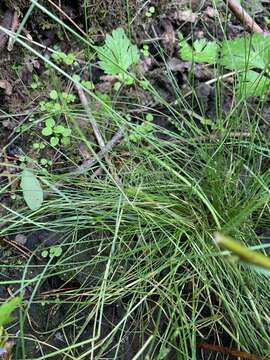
(18, 68)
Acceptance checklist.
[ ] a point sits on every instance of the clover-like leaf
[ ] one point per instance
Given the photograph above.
(54, 141)
(59, 129)
(88, 85)
(55, 251)
(47, 131)
(44, 253)
(50, 122)
(57, 107)
(66, 132)
(65, 140)
(53, 95)
(43, 161)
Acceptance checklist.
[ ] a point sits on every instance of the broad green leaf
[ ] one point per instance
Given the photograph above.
(240, 54)
(261, 45)
(253, 83)
(32, 191)
(6, 310)
(248, 55)
(201, 51)
(118, 53)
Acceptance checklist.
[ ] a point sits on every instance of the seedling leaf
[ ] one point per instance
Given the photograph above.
(32, 191)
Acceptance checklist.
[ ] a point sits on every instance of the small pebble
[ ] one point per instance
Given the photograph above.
(20, 239)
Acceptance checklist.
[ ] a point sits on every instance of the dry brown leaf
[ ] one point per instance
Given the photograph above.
(185, 16)
(110, 78)
(4, 84)
(176, 64)
(145, 64)
(211, 12)
(8, 350)
(168, 37)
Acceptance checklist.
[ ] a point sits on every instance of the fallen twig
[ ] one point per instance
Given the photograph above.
(230, 352)
(106, 149)
(22, 249)
(243, 16)
(62, 12)
(6, 23)
(95, 127)
(93, 122)
(14, 25)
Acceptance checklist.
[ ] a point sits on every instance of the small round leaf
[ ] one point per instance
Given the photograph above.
(44, 253)
(43, 162)
(54, 140)
(53, 95)
(59, 129)
(50, 122)
(66, 132)
(47, 131)
(57, 107)
(65, 140)
(36, 146)
(149, 117)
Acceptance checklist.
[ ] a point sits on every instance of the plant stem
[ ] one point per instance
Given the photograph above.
(245, 254)
(230, 352)
(243, 16)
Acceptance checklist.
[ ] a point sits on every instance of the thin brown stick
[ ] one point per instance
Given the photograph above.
(107, 148)
(86, 105)
(67, 17)
(14, 25)
(231, 352)
(95, 127)
(6, 23)
(22, 249)
(243, 16)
